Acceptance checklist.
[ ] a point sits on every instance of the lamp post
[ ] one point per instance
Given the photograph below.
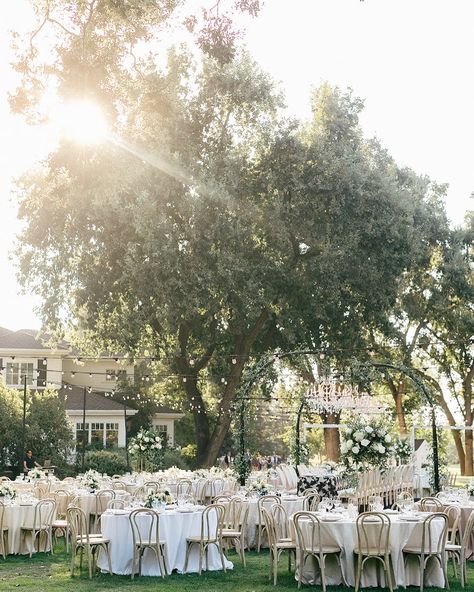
(24, 414)
(83, 428)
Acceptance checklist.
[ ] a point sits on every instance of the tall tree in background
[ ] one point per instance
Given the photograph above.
(210, 230)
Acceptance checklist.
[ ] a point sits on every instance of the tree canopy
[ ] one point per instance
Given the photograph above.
(211, 229)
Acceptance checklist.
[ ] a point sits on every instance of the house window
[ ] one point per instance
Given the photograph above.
(115, 374)
(16, 371)
(82, 436)
(162, 429)
(97, 433)
(111, 434)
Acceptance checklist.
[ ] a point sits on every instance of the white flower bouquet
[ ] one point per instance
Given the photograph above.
(366, 443)
(470, 488)
(7, 491)
(144, 447)
(35, 475)
(155, 499)
(260, 487)
(91, 480)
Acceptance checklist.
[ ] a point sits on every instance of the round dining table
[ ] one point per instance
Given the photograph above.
(175, 526)
(340, 530)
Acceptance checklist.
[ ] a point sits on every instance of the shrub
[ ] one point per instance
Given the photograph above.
(173, 458)
(105, 461)
(188, 453)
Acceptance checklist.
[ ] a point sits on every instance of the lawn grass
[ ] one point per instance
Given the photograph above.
(45, 573)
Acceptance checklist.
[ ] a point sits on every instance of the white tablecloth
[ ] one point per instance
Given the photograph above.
(344, 534)
(175, 527)
(14, 518)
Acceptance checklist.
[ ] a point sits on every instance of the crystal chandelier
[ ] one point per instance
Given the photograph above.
(329, 396)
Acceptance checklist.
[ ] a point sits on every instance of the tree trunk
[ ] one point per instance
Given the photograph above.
(242, 346)
(468, 435)
(468, 444)
(332, 437)
(397, 391)
(450, 417)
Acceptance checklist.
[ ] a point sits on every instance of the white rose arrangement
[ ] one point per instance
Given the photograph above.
(260, 486)
(144, 446)
(156, 498)
(91, 480)
(366, 442)
(35, 475)
(7, 491)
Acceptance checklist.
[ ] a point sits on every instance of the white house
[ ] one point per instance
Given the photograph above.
(25, 356)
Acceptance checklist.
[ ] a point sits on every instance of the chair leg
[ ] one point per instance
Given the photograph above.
(89, 561)
(388, 571)
(201, 550)
(188, 546)
(275, 568)
(109, 561)
(322, 569)
(358, 573)
(444, 565)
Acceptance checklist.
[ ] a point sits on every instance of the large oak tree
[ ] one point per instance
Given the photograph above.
(209, 229)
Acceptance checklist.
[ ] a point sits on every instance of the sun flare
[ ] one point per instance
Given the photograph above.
(83, 122)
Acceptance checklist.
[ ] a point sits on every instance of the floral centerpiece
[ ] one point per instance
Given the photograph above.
(470, 488)
(366, 442)
(144, 447)
(7, 491)
(91, 480)
(402, 450)
(223, 473)
(260, 487)
(35, 475)
(157, 498)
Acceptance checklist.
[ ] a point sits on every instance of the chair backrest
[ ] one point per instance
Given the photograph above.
(145, 524)
(430, 504)
(269, 522)
(308, 531)
(102, 498)
(311, 500)
(236, 513)
(434, 538)
(77, 521)
(201, 488)
(5, 478)
(468, 531)
(215, 487)
(116, 504)
(280, 521)
(212, 522)
(266, 501)
(44, 514)
(41, 489)
(184, 487)
(151, 486)
(373, 532)
(118, 485)
(61, 497)
(454, 516)
(139, 493)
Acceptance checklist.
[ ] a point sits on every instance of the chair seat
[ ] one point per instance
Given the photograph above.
(324, 550)
(197, 539)
(417, 551)
(149, 544)
(231, 533)
(92, 540)
(286, 544)
(451, 547)
(371, 551)
(60, 524)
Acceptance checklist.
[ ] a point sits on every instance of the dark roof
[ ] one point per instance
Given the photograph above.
(25, 339)
(94, 401)
(164, 409)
